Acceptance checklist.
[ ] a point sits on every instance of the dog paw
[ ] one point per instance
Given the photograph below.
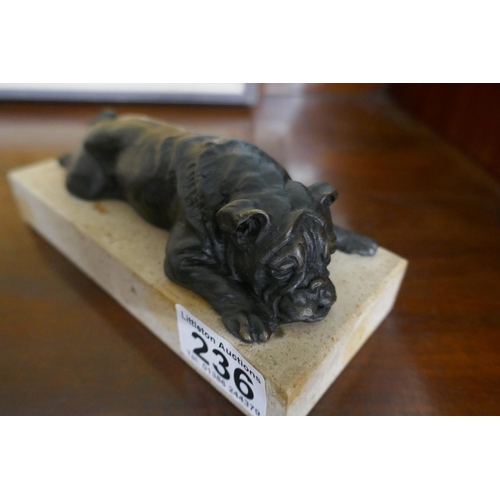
(361, 245)
(248, 327)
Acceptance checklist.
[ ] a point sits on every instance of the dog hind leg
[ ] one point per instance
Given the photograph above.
(91, 171)
(85, 177)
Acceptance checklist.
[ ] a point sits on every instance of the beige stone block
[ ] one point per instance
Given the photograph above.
(109, 242)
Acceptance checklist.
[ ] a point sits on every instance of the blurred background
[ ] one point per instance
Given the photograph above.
(417, 167)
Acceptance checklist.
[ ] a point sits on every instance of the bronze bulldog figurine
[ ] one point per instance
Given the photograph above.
(243, 235)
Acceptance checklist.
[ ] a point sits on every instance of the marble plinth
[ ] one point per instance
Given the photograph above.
(110, 243)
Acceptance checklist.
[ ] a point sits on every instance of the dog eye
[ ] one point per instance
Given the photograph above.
(284, 270)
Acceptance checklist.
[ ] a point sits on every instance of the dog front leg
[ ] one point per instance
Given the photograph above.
(350, 242)
(188, 266)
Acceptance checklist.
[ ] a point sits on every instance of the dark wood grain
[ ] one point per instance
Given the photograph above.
(67, 348)
(320, 89)
(465, 114)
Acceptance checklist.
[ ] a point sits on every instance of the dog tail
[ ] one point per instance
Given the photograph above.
(105, 116)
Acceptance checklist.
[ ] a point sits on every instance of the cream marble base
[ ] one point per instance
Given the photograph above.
(124, 255)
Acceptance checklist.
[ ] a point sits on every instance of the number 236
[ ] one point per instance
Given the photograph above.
(241, 379)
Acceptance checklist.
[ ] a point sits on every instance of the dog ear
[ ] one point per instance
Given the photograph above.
(323, 192)
(242, 221)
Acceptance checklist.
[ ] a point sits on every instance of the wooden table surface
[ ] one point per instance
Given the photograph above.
(67, 348)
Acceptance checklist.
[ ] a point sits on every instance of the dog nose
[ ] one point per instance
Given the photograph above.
(327, 296)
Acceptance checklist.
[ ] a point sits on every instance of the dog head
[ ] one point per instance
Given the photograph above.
(282, 255)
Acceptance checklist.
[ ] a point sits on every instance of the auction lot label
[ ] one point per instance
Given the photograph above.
(218, 358)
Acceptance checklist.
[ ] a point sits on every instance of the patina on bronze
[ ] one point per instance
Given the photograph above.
(243, 235)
